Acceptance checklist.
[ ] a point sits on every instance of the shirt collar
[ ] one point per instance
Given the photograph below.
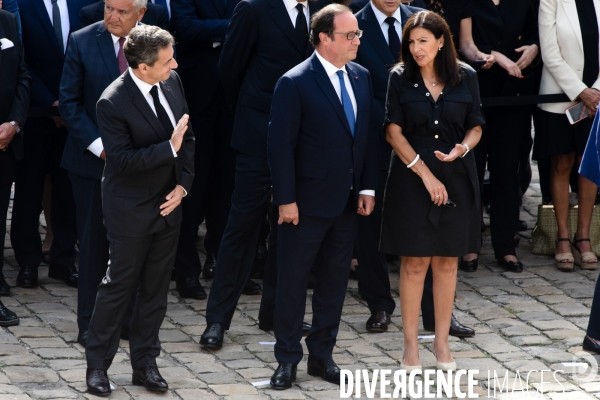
(291, 4)
(115, 39)
(381, 16)
(330, 69)
(143, 86)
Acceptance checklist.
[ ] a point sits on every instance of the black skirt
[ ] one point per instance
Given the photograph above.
(413, 226)
(555, 136)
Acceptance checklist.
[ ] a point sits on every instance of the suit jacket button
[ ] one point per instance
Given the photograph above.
(351, 170)
(436, 136)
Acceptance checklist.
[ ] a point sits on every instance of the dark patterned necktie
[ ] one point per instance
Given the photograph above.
(57, 23)
(121, 61)
(393, 38)
(161, 113)
(301, 27)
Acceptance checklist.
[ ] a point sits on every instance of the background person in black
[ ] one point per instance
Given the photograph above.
(430, 212)
(265, 39)
(569, 46)
(200, 27)
(507, 29)
(14, 101)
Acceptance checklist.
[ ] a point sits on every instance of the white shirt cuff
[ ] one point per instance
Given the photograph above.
(174, 152)
(367, 192)
(96, 147)
(184, 191)
(216, 44)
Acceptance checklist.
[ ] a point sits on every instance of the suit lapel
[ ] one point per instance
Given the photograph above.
(571, 11)
(172, 100)
(40, 8)
(281, 18)
(374, 35)
(144, 108)
(325, 83)
(108, 52)
(219, 6)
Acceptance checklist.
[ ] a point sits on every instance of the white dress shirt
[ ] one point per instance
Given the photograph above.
(64, 18)
(97, 147)
(290, 6)
(331, 71)
(384, 25)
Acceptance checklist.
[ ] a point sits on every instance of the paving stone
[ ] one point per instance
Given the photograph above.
(542, 291)
(290, 394)
(54, 353)
(196, 394)
(220, 378)
(31, 332)
(530, 340)
(233, 389)
(53, 394)
(30, 374)
(570, 309)
(172, 336)
(564, 334)
(519, 330)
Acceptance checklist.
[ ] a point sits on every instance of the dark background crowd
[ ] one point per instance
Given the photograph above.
(66, 53)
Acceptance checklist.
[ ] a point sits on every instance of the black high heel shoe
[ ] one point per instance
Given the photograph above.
(510, 266)
(468, 266)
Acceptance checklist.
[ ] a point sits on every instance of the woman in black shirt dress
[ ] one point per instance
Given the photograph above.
(431, 208)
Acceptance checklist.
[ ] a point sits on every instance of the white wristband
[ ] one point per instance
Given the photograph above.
(413, 161)
(466, 147)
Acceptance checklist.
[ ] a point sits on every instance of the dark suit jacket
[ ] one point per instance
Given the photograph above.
(155, 15)
(374, 54)
(260, 47)
(43, 56)
(357, 5)
(90, 66)
(140, 167)
(14, 90)
(313, 157)
(197, 24)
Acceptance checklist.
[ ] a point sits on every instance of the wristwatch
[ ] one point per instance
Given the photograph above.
(466, 146)
(16, 126)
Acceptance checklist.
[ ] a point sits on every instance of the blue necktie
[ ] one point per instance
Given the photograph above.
(162, 3)
(347, 103)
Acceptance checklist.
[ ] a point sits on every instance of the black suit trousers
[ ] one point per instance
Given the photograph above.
(210, 195)
(374, 280)
(146, 260)
(8, 166)
(43, 153)
(266, 314)
(93, 244)
(250, 199)
(326, 243)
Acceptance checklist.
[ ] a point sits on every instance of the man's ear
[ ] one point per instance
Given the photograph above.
(141, 13)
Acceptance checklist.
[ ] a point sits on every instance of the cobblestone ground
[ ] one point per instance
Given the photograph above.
(530, 321)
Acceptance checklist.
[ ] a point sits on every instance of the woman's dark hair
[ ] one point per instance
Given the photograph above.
(445, 63)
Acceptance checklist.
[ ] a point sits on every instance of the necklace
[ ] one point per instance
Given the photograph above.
(432, 83)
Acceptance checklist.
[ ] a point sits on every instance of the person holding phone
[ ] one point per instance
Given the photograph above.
(431, 205)
(569, 46)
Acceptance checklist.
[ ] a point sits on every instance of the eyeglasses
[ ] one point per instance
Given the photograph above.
(351, 35)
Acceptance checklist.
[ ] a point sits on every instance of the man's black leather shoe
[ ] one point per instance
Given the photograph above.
(7, 317)
(69, 274)
(379, 321)
(208, 270)
(212, 338)
(591, 345)
(4, 286)
(284, 376)
(28, 277)
(326, 369)
(190, 288)
(251, 288)
(82, 337)
(150, 378)
(97, 382)
(456, 329)
(264, 326)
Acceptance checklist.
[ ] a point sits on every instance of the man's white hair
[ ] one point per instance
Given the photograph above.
(139, 4)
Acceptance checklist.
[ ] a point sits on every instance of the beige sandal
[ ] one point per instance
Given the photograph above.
(587, 259)
(564, 261)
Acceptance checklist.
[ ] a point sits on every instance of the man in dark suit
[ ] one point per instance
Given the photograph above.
(382, 21)
(93, 61)
(154, 15)
(265, 38)
(323, 159)
(14, 101)
(200, 27)
(357, 5)
(149, 169)
(46, 29)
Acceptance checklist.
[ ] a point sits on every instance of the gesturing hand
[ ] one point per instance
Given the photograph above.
(173, 200)
(457, 151)
(289, 213)
(366, 204)
(179, 131)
